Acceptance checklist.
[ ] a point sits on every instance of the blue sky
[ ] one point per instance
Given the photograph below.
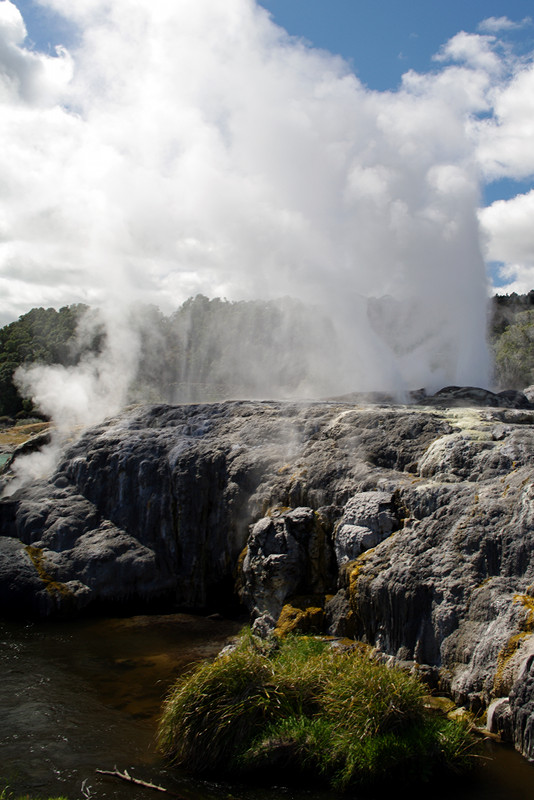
(385, 38)
(46, 28)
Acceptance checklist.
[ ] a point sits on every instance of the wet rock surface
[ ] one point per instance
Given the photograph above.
(409, 527)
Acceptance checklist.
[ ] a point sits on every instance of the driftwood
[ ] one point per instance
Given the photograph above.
(125, 776)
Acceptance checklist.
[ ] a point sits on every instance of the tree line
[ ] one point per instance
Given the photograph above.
(212, 349)
(42, 335)
(207, 350)
(512, 339)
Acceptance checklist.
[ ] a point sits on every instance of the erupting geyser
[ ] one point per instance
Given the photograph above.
(195, 147)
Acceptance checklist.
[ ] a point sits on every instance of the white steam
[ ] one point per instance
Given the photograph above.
(77, 396)
(191, 146)
(81, 395)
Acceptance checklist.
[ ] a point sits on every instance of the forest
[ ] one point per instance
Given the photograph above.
(213, 349)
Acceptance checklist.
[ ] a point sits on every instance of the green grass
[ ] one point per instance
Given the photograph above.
(5, 794)
(303, 707)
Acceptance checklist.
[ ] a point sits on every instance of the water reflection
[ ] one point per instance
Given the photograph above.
(77, 697)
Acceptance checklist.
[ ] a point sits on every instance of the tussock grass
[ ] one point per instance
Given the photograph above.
(212, 712)
(301, 708)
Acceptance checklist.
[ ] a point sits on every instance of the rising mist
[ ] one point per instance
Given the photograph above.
(192, 146)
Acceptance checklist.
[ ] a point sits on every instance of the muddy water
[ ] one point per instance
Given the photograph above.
(76, 698)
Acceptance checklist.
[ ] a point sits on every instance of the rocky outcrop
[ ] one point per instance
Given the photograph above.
(408, 527)
(465, 396)
(288, 554)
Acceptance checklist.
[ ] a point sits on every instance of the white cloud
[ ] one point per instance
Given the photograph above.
(501, 125)
(500, 24)
(509, 239)
(474, 50)
(11, 24)
(518, 278)
(505, 140)
(24, 75)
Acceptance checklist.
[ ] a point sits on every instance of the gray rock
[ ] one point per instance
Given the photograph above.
(522, 709)
(21, 589)
(499, 719)
(413, 526)
(474, 396)
(368, 518)
(264, 625)
(338, 614)
(285, 556)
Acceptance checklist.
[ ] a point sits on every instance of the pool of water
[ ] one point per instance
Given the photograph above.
(80, 697)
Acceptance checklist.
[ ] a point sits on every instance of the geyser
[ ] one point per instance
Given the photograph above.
(193, 146)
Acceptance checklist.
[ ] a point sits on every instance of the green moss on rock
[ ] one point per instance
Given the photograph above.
(54, 588)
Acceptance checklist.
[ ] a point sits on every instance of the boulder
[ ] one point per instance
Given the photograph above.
(368, 518)
(286, 555)
(469, 396)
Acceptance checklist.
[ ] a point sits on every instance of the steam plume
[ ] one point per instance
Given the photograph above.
(191, 146)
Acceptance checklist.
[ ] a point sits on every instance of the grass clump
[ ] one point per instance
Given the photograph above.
(303, 709)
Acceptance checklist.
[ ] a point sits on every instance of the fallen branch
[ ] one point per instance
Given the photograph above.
(125, 776)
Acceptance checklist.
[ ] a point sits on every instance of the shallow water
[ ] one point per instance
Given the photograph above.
(78, 697)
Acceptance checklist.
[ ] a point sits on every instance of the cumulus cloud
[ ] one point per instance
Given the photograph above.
(25, 76)
(509, 239)
(504, 141)
(504, 150)
(501, 97)
(472, 49)
(192, 146)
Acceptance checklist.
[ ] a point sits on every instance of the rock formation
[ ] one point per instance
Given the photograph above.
(409, 527)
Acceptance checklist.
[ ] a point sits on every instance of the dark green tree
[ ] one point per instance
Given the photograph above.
(43, 336)
(514, 353)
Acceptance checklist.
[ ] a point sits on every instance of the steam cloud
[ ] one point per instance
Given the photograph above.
(192, 146)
